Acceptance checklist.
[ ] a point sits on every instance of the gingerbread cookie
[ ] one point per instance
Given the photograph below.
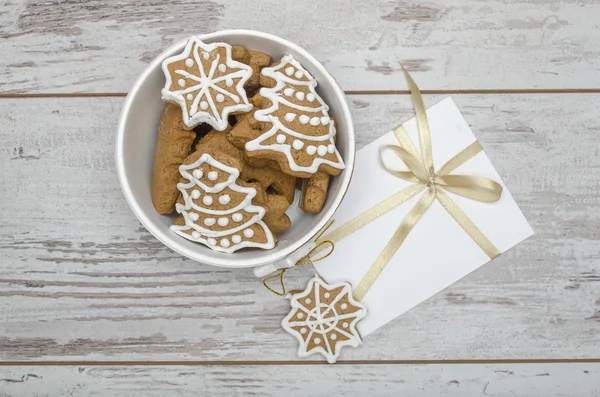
(207, 83)
(258, 61)
(272, 186)
(296, 130)
(218, 209)
(172, 147)
(271, 180)
(275, 204)
(314, 192)
(323, 319)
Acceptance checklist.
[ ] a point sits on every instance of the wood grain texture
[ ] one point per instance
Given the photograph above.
(80, 278)
(95, 46)
(532, 380)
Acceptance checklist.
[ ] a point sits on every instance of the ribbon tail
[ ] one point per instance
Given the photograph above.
(422, 122)
(468, 226)
(394, 244)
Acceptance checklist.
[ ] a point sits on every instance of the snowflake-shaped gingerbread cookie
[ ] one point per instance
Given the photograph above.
(323, 319)
(207, 83)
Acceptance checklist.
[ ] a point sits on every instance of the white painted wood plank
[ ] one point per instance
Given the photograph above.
(95, 46)
(80, 278)
(465, 380)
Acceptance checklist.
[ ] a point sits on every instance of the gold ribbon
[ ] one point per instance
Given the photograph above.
(422, 173)
(305, 260)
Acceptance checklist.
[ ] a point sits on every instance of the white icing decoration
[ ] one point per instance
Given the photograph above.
(236, 238)
(289, 71)
(197, 173)
(223, 222)
(244, 210)
(311, 150)
(315, 121)
(344, 306)
(299, 315)
(318, 108)
(222, 68)
(189, 62)
(323, 323)
(225, 243)
(322, 150)
(331, 148)
(297, 144)
(288, 91)
(325, 120)
(203, 84)
(224, 199)
(196, 235)
(310, 97)
(195, 194)
(189, 97)
(220, 98)
(327, 295)
(193, 216)
(300, 95)
(213, 175)
(207, 200)
(299, 74)
(181, 82)
(280, 138)
(289, 117)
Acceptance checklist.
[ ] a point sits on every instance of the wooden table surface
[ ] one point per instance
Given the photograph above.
(92, 304)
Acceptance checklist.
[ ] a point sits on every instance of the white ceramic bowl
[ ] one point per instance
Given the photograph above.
(136, 142)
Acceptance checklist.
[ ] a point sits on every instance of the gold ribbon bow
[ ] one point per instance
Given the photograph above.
(422, 173)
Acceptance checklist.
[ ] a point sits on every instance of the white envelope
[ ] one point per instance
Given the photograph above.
(437, 252)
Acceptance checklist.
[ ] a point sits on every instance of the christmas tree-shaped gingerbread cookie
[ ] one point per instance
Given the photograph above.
(216, 208)
(295, 128)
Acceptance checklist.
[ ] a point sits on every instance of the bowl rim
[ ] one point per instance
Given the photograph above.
(228, 261)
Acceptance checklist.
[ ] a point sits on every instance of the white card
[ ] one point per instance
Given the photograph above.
(437, 252)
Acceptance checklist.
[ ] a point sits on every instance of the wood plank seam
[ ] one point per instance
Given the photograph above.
(292, 362)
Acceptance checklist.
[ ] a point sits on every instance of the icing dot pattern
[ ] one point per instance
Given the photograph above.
(224, 199)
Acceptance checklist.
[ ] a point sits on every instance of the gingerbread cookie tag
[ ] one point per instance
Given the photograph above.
(207, 83)
(300, 133)
(323, 319)
(216, 209)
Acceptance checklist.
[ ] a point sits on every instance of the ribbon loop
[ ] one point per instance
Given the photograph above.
(473, 187)
(417, 173)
